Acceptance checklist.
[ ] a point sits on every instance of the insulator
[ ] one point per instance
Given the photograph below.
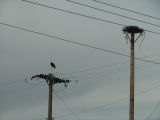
(65, 85)
(67, 81)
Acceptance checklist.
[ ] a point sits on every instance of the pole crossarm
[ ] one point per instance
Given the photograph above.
(50, 79)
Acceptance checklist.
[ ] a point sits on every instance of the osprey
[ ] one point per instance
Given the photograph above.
(52, 65)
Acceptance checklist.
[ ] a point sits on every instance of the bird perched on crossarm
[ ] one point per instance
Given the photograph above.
(52, 65)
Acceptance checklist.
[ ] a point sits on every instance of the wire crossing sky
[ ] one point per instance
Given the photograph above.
(91, 16)
(108, 4)
(102, 10)
(81, 44)
(85, 41)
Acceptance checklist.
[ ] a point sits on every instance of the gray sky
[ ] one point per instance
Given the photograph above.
(23, 54)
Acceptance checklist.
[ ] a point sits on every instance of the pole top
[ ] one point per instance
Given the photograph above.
(132, 29)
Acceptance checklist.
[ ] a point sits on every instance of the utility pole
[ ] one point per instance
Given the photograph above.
(51, 80)
(132, 30)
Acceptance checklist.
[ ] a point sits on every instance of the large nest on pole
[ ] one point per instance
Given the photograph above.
(132, 29)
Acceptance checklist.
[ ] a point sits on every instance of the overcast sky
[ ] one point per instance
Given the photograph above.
(102, 90)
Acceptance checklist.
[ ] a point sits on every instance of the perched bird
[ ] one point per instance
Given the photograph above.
(52, 65)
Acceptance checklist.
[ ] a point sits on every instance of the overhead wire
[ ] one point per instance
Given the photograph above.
(9, 83)
(87, 16)
(115, 6)
(56, 37)
(98, 107)
(156, 107)
(3, 84)
(51, 36)
(81, 71)
(59, 38)
(73, 13)
(152, 31)
(33, 84)
(105, 66)
(95, 68)
(79, 79)
(119, 63)
(122, 68)
(112, 103)
(92, 109)
(73, 42)
(84, 78)
(96, 75)
(19, 89)
(92, 75)
(106, 11)
(68, 107)
(105, 73)
(102, 72)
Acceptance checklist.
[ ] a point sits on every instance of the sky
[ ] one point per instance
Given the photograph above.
(99, 87)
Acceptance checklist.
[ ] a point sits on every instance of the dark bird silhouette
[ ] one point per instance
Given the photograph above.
(52, 65)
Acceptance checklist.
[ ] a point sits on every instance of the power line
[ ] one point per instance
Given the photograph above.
(151, 31)
(25, 88)
(92, 109)
(102, 10)
(113, 102)
(81, 79)
(96, 74)
(51, 36)
(79, 14)
(17, 81)
(105, 3)
(106, 66)
(68, 107)
(51, 80)
(102, 72)
(21, 89)
(105, 73)
(80, 71)
(9, 83)
(111, 70)
(73, 42)
(74, 13)
(98, 67)
(149, 118)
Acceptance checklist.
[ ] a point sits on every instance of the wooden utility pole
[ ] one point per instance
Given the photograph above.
(132, 78)
(50, 86)
(132, 30)
(51, 80)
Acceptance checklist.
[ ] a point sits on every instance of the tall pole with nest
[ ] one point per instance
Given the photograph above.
(51, 80)
(132, 30)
